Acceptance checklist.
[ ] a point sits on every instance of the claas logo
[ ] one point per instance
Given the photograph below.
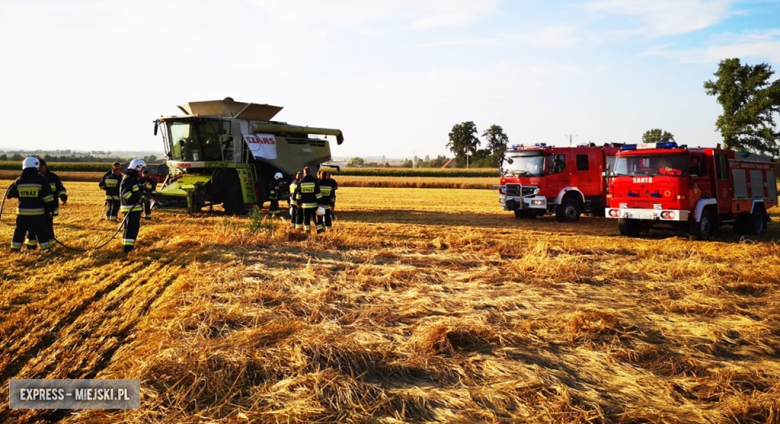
(261, 140)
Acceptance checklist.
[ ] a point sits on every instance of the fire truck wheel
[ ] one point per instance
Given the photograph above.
(629, 227)
(757, 221)
(568, 211)
(703, 229)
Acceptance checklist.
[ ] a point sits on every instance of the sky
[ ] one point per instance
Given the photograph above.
(393, 75)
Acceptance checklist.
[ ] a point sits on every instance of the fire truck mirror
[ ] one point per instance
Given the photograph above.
(156, 124)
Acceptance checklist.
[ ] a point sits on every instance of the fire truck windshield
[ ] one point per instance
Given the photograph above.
(524, 164)
(651, 164)
(197, 139)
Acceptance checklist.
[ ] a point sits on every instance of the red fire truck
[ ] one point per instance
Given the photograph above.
(695, 190)
(565, 181)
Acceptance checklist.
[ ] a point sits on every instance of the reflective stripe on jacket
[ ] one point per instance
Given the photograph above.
(34, 194)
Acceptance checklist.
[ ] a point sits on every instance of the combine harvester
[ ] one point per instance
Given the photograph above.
(565, 181)
(694, 190)
(227, 152)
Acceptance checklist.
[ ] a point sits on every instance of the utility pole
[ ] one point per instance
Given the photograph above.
(570, 137)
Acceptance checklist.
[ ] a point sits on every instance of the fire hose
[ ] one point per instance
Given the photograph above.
(75, 249)
(2, 205)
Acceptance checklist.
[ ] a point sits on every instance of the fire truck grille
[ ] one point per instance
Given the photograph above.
(514, 191)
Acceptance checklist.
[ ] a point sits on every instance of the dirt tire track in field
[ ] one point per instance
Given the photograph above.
(19, 354)
(46, 359)
(121, 308)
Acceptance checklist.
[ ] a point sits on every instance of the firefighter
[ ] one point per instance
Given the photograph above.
(149, 186)
(328, 188)
(335, 186)
(115, 166)
(110, 184)
(59, 192)
(273, 194)
(294, 210)
(36, 204)
(308, 196)
(132, 197)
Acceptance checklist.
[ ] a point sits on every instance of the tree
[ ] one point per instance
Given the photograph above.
(496, 144)
(356, 162)
(496, 141)
(749, 103)
(656, 135)
(483, 158)
(438, 162)
(463, 141)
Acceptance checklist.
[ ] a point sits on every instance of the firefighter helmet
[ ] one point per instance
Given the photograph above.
(320, 211)
(31, 162)
(137, 164)
(278, 176)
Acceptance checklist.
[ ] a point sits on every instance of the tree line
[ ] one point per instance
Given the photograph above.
(750, 104)
(464, 144)
(70, 157)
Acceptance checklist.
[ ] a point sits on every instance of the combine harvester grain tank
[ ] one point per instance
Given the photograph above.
(227, 152)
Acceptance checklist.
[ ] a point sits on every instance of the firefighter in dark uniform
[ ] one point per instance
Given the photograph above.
(110, 183)
(296, 221)
(149, 186)
(335, 186)
(132, 198)
(36, 204)
(308, 196)
(59, 192)
(114, 167)
(273, 194)
(328, 188)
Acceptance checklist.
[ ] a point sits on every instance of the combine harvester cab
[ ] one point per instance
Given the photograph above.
(693, 190)
(565, 181)
(227, 152)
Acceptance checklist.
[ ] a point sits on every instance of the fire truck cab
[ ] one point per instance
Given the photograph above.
(697, 190)
(565, 181)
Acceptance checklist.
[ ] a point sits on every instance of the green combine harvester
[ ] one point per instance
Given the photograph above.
(227, 152)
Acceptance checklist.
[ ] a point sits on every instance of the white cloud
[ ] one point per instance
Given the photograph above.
(558, 36)
(759, 45)
(451, 13)
(463, 42)
(355, 13)
(445, 20)
(668, 17)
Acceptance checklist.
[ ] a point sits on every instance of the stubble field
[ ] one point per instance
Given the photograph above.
(425, 305)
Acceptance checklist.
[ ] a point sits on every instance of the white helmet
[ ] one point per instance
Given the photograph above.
(278, 176)
(137, 164)
(320, 211)
(31, 162)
